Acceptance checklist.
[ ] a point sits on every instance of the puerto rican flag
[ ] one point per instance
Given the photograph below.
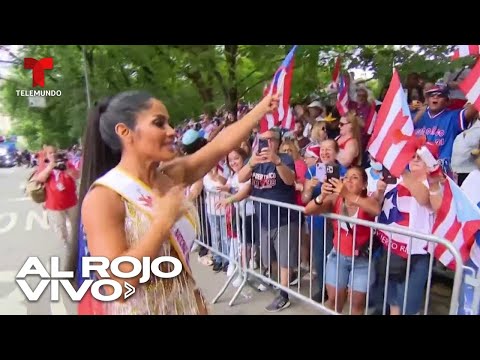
(281, 84)
(391, 141)
(465, 50)
(396, 212)
(372, 118)
(458, 221)
(471, 86)
(342, 95)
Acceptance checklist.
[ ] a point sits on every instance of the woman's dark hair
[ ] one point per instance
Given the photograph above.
(101, 145)
(240, 152)
(195, 146)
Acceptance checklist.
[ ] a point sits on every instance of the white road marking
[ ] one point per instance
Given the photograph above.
(26, 198)
(41, 219)
(11, 223)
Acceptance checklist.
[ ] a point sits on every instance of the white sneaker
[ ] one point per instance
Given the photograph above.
(195, 247)
(253, 264)
(238, 281)
(230, 269)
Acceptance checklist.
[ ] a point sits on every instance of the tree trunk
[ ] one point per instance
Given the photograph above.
(231, 53)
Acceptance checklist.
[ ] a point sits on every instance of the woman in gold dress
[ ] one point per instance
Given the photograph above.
(133, 199)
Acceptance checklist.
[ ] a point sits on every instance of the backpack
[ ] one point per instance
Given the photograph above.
(35, 189)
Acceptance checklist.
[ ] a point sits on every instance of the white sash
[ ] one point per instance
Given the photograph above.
(182, 234)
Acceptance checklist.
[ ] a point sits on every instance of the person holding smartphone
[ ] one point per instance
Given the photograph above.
(318, 158)
(273, 177)
(350, 242)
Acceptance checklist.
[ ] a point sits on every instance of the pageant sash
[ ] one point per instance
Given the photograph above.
(182, 234)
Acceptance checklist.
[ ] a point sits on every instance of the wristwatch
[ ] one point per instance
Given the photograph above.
(315, 200)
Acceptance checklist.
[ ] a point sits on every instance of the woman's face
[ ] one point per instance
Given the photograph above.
(353, 181)
(152, 136)
(286, 149)
(328, 154)
(235, 161)
(345, 126)
(417, 165)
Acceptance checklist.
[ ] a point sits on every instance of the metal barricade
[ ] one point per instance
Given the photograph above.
(336, 274)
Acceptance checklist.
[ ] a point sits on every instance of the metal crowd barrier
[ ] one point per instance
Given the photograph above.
(212, 219)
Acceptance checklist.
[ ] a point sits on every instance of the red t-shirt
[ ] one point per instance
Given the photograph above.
(300, 171)
(362, 233)
(60, 189)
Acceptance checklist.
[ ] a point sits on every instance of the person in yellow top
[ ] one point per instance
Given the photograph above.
(133, 200)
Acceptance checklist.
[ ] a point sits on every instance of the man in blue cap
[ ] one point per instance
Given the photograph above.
(441, 125)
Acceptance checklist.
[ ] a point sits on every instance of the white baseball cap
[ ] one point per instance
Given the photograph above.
(316, 103)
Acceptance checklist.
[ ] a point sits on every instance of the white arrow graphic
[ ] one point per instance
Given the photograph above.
(130, 290)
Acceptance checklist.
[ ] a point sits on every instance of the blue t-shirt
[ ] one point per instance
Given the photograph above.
(318, 219)
(442, 129)
(267, 184)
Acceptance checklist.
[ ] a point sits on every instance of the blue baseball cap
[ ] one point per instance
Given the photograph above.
(190, 137)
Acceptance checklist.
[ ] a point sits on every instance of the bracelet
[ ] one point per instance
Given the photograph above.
(231, 200)
(250, 164)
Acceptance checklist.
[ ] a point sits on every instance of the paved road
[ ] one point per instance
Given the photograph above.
(24, 232)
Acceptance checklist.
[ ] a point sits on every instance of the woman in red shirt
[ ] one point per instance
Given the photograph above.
(349, 141)
(347, 264)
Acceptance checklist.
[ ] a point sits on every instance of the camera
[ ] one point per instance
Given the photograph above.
(60, 161)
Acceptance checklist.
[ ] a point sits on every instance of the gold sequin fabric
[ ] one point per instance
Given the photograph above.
(177, 296)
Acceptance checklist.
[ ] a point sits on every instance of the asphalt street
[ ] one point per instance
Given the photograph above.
(24, 232)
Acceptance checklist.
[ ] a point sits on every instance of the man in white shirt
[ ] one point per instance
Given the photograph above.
(463, 162)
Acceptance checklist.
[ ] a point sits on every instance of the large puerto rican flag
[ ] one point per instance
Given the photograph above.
(458, 221)
(391, 141)
(471, 86)
(281, 84)
(465, 50)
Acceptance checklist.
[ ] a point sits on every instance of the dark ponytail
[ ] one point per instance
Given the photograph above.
(101, 145)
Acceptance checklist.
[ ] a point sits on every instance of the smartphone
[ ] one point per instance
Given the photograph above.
(262, 143)
(321, 172)
(388, 178)
(333, 172)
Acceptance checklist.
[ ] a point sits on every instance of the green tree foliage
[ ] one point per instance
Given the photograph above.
(192, 79)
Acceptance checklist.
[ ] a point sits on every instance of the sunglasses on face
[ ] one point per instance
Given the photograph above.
(437, 94)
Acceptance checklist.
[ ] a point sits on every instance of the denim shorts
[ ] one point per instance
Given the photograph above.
(357, 280)
(419, 266)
